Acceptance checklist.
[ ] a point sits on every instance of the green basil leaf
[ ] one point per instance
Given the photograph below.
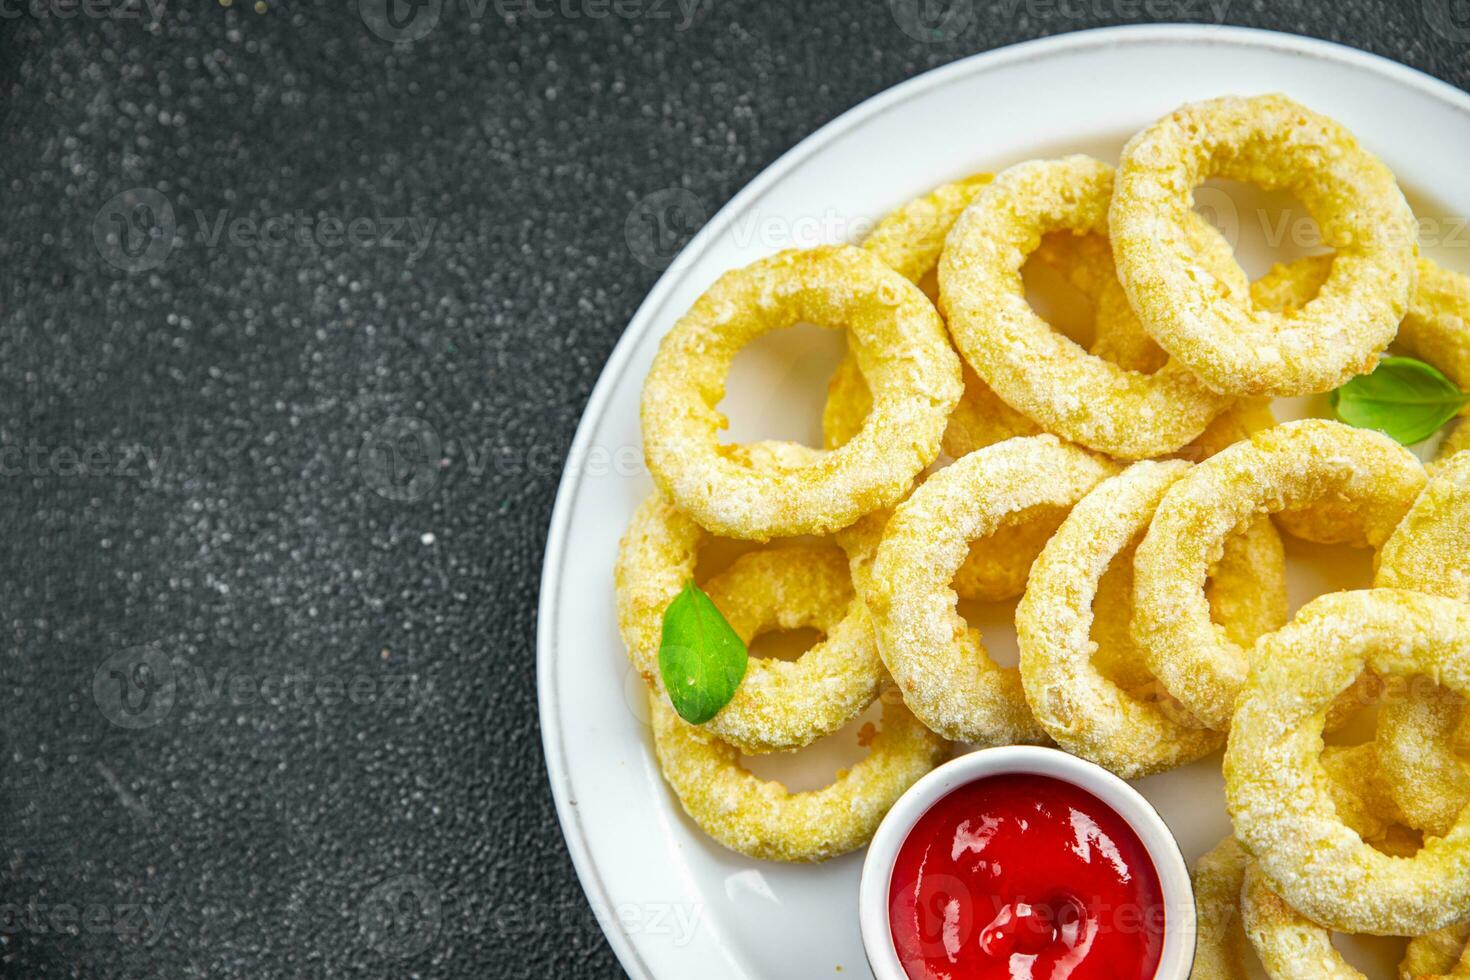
(701, 658)
(1403, 398)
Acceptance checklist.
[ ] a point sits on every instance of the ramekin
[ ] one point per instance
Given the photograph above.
(1177, 957)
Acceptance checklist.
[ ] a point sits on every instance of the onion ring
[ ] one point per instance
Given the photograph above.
(1220, 945)
(1294, 465)
(901, 346)
(1435, 329)
(1274, 143)
(779, 705)
(762, 819)
(1438, 955)
(939, 662)
(1082, 709)
(1033, 368)
(1276, 787)
(1429, 552)
(1291, 946)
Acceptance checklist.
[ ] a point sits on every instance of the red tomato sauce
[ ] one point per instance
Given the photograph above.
(1025, 877)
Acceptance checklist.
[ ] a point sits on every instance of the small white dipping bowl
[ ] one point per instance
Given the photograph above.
(873, 912)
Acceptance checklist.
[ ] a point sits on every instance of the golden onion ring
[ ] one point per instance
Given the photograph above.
(1429, 552)
(1043, 374)
(1086, 712)
(1294, 465)
(1220, 945)
(779, 705)
(761, 818)
(1440, 955)
(938, 661)
(901, 347)
(1274, 143)
(1277, 789)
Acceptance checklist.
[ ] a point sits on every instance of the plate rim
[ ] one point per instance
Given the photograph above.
(549, 718)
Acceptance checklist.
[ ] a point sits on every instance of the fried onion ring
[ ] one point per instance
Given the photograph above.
(1220, 946)
(1436, 328)
(901, 347)
(779, 705)
(1440, 954)
(1295, 465)
(1429, 552)
(1082, 709)
(1274, 143)
(1033, 368)
(761, 818)
(938, 661)
(1291, 946)
(1276, 786)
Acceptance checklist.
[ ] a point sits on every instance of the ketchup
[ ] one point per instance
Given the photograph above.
(1025, 877)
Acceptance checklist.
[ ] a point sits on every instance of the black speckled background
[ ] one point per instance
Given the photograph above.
(268, 660)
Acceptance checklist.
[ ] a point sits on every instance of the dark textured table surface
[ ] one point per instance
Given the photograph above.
(268, 664)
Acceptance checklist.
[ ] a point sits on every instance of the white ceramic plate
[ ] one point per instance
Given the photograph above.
(674, 905)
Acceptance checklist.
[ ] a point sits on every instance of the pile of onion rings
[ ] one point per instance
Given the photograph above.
(1130, 487)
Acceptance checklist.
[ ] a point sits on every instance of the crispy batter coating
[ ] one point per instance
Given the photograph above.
(1276, 785)
(1220, 947)
(1043, 374)
(764, 820)
(937, 660)
(900, 344)
(1297, 466)
(1274, 143)
(1087, 713)
(1429, 552)
(779, 705)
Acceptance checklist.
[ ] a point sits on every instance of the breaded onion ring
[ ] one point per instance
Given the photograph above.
(901, 347)
(1033, 368)
(1274, 143)
(1277, 789)
(938, 661)
(1429, 552)
(1440, 954)
(1220, 947)
(762, 819)
(1295, 465)
(1087, 713)
(1436, 328)
(1291, 946)
(779, 705)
